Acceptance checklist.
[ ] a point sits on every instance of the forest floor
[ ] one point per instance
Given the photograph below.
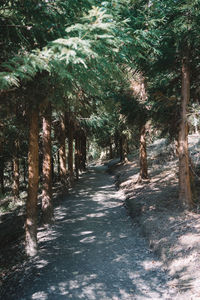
(93, 251)
(96, 251)
(172, 233)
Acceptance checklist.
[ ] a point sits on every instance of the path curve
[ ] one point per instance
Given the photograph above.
(93, 251)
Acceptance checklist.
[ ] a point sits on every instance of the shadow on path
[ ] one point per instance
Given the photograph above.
(93, 251)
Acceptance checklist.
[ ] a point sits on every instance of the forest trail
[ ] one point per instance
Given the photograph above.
(93, 251)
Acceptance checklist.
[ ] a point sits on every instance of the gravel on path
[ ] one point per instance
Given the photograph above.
(93, 251)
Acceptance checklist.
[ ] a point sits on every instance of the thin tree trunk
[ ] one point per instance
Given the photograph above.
(16, 174)
(77, 155)
(185, 194)
(70, 152)
(52, 169)
(24, 169)
(122, 145)
(121, 153)
(62, 152)
(83, 150)
(2, 188)
(47, 206)
(33, 178)
(58, 163)
(117, 144)
(16, 170)
(111, 150)
(2, 165)
(125, 149)
(143, 155)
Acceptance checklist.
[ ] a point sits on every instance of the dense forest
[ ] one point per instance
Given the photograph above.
(79, 78)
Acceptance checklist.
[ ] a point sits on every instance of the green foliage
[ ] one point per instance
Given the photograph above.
(22, 69)
(84, 51)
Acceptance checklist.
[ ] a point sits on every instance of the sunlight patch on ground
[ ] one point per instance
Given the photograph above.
(97, 215)
(40, 296)
(122, 258)
(41, 264)
(89, 239)
(190, 239)
(150, 265)
(82, 233)
(47, 235)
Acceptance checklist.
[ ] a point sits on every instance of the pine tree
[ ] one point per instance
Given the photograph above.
(33, 178)
(47, 205)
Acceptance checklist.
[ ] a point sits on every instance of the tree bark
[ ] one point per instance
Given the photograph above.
(70, 152)
(33, 178)
(121, 152)
(62, 152)
(16, 170)
(83, 150)
(2, 165)
(122, 147)
(117, 145)
(143, 155)
(1, 170)
(24, 169)
(77, 155)
(52, 168)
(125, 149)
(47, 205)
(185, 194)
(111, 150)
(58, 163)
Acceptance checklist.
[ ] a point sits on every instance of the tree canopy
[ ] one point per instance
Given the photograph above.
(105, 71)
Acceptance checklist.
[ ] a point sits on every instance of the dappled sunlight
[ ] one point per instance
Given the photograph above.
(151, 264)
(190, 239)
(97, 215)
(42, 235)
(41, 263)
(92, 251)
(82, 233)
(40, 295)
(89, 239)
(122, 258)
(173, 234)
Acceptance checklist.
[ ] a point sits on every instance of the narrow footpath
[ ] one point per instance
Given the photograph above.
(93, 251)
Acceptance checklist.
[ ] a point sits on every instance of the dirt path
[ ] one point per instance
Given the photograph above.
(94, 251)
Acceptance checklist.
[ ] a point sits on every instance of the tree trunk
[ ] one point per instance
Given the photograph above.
(111, 150)
(58, 163)
(16, 170)
(77, 155)
(33, 178)
(70, 152)
(47, 206)
(62, 152)
(122, 147)
(2, 188)
(52, 169)
(143, 155)
(121, 153)
(24, 169)
(83, 150)
(185, 194)
(125, 149)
